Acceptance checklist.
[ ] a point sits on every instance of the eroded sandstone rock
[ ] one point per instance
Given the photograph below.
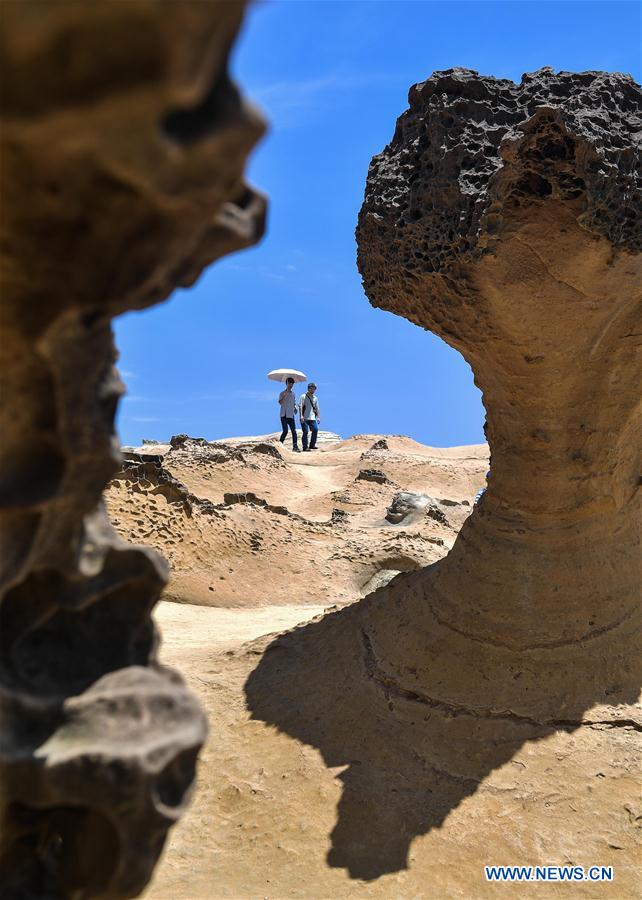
(123, 147)
(374, 475)
(506, 218)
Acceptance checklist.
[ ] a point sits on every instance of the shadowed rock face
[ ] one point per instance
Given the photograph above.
(505, 218)
(123, 147)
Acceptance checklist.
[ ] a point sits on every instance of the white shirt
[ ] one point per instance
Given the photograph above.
(288, 403)
(307, 406)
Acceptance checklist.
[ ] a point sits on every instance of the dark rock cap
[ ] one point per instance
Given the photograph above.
(471, 147)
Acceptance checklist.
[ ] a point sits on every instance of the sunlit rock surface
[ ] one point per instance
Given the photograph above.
(506, 218)
(247, 523)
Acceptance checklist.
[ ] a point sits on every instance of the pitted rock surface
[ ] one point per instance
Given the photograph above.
(123, 148)
(265, 449)
(198, 451)
(470, 148)
(507, 219)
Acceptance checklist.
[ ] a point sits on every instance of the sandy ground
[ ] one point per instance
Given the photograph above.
(271, 817)
(190, 631)
(266, 805)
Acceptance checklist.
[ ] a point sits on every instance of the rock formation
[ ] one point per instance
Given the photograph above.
(248, 524)
(409, 506)
(506, 218)
(375, 475)
(123, 148)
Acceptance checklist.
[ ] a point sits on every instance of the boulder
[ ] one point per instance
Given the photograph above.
(405, 504)
(409, 506)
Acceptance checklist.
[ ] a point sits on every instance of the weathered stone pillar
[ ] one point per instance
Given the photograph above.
(123, 143)
(506, 218)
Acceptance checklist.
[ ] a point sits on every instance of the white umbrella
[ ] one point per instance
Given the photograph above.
(284, 374)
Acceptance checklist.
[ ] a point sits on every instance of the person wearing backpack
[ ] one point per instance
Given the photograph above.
(310, 418)
(287, 402)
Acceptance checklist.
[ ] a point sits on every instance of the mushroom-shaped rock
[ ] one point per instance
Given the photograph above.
(506, 218)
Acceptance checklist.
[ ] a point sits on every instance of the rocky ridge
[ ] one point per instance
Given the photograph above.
(249, 523)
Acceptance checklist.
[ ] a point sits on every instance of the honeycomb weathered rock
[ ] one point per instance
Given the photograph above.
(507, 219)
(123, 148)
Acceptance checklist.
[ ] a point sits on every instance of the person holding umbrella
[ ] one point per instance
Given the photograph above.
(287, 402)
(288, 408)
(310, 417)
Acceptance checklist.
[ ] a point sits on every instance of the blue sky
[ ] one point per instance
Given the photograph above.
(332, 78)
